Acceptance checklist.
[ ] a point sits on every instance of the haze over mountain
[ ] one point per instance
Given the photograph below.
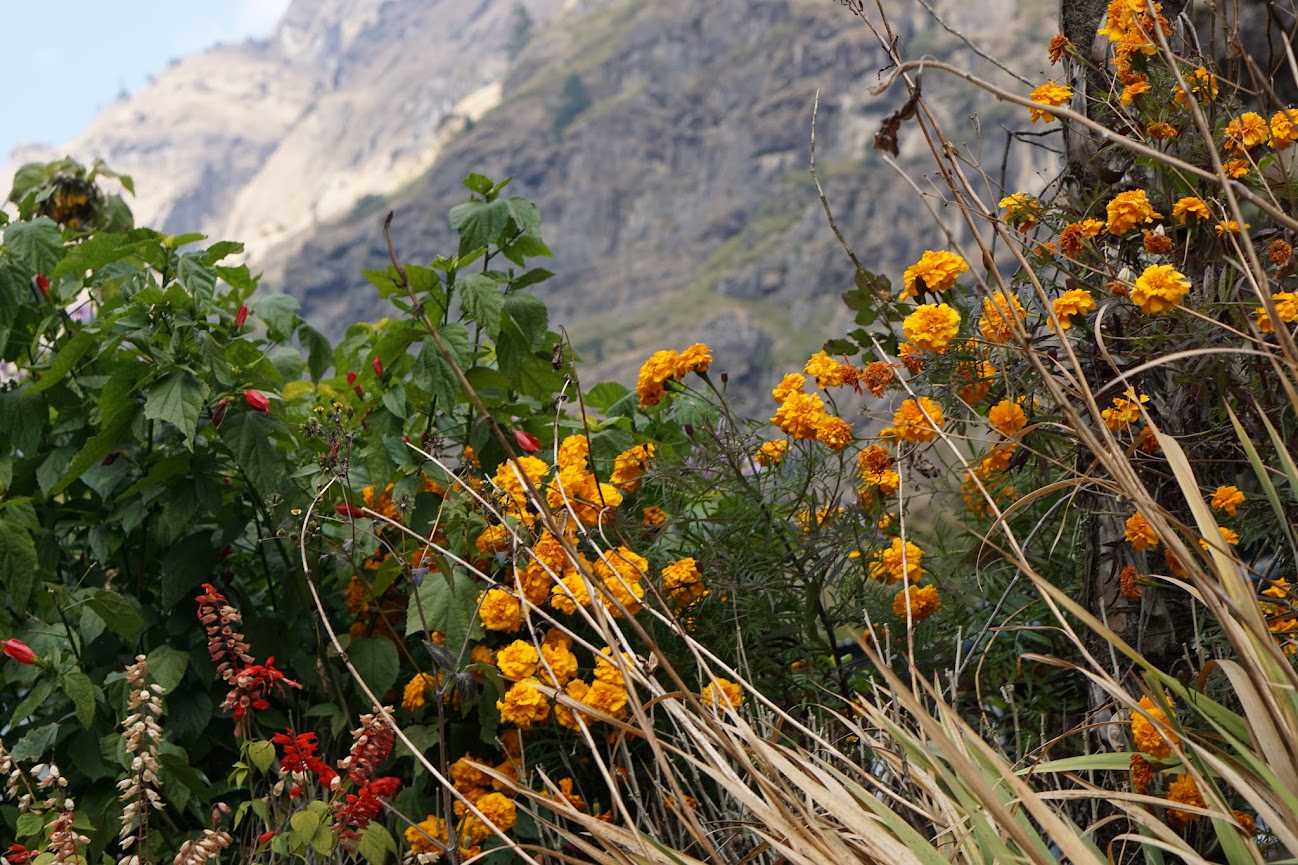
(665, 142)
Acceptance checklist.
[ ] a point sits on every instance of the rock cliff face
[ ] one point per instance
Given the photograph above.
(678, 203)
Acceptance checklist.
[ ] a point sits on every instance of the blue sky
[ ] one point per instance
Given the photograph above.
(66, 60)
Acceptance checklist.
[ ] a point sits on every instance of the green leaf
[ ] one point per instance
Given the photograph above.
(386, 281)
(250, 435)
(305, 824)
(479, 183)
(839, 346)
(99, 250)
(196, 275)
(448, 605)
(238, 278)
(525, 214)
(482, 301)
(262, 755)
(433, 375)
(110, 435)
(375, 659)
(30, 824)
(17, 563)
(167, 666)
(37, 245)
(81, 691)
(33, 701)
(479, 223)
(427, 286)
(376, 843)
(424, 738)
(320, 353)
(394, 399)
(37, 741)
(71, 352)
(23, 416)
(277, 310)
(603, 395)
(222, 249)
(178, 399)
(117, 612)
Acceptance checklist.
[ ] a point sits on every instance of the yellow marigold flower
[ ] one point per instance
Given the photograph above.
(1230, 536)
(918, 421)
(938, 270)
(482, 654)
(1129, 209)
(1235, 169)
(1246, 132)
(654, 516)
(1159, 289)
(607, 698)
(1007, 418)
(800, 415)
(422, 837)
(1059, 45)
(827, 371)
(573, 451)
(560, 664)
(1051, 95)
(1125, 410)
(999, 315)
(791, 384)
(622, 570)
(771, 453)
(661, 367)
(509, 474)
(1203, 84)
(467, 775)
(976, 377)
(630, 465)
(683, 581)
(493, 539)
(499, 809)
(1140, 535)
(1189, 208)
(518, 660)
(810, 520)
(997, 459)
(1129, 24)
(1151, 732)
(417, 691)
(1075, 301)
(1020, 209)
(1286, 305)
(1161, 131)
(911, 357)
(1226, 498)
(696, 358)
(1230, 226)
(500, 611)
(874, 467)
(1091, 227)
(922, 601)
(834, 432)
(722, 693)
(932, 326)
(1283, 129)
(570, 593)
(1134, 89)
(524, 704)
(577, 690)
(888, 563)
(1185, 792)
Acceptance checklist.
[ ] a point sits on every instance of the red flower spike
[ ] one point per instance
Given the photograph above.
(526, 442)
(43, 283)
(17, 854)
(257, 400)
(241, 317)
(19, 651)
(349, 510)
(378, 366)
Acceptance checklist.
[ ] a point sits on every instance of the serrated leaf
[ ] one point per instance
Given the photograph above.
(525, 214)
(262, 755)
(178, 399)
(478, 183)
(277, 310)
(375, 659)
(196, 275)
(479, 223)
(448, 605)
(530, 315)
(81, 691)
(33, 701)
(37, 741)
(250, 435)
(386, 281)
(37, 245)
(97, 251)
(17, 563)
(375, 843)
(71, 352)
(433, 375)
(482, 301)
(122, 618)
(603, 395)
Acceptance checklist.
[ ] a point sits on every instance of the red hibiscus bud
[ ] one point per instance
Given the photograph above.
(351, 380)
(349, 510)
(241, 317)
(378, 366)
(351, 377)
(43, 283)
(257, 400)
(266, 836)
(526, 442)
(19, 651)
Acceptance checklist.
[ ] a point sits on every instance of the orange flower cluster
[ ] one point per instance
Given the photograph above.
(665, 366)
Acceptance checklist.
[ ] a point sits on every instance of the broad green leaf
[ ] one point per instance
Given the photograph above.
(526, 215)
(305, 824)
(394, 399)
(221, 249)
(81, 691)
(320, 353)
(167, 666)
(449, 605)
(17, 563)
(68, 356)
(386, 281)
(478, 183)
(456, 338)
(479, 224)
(603, 395)
(482, 300)
(35, 698)
(376, 843)
(375, 659)
(251, 435)
(117, 612)
(426, 284)
(110, 435)
(23, 416)
(424, 738)
(197, 275)
(277, 310)
(30, 824)
(99, 250)
(178, 399)
(238, 278)
(262, 755)
(37, 245)
(37, 741)
(530, 315)
(433, 375)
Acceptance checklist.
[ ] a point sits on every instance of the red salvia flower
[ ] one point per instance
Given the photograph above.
(371, 746)
(359, 808)
(19, 651)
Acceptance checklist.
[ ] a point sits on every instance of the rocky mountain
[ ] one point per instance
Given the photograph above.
(665, 142)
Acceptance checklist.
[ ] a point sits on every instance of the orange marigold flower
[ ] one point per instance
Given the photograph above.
(653, 516)
(1140, 535)
(1286, 305)
(683, 581)
(524, 704)
(899, 561)
(1159, 289)
(1136, 88)
(1058, 45)
(630, 466)
(876, 376)
(1142, 775)
(722, 693)
(1279, 252)
(1151, 732)
(1161, 131)
(938, 270)
(1203, 84)
(1185, 792)
(999, 315)
(500, 611)
(1156, 243)
(417, 691)
(1128, 209)
(827, 371)
(791, 383)
(874, 467)
(1091, 227)
(1007, 418)
(1246, 132)
(1226, 498)
(1189, 208)
(1229, 226)
(1074, 302)
(1174, 565)
(1050, 95)
(1235, 168)
(1071, 239)
(932, 326)
(921, 602)
(1127, 583)
(518, 660)
(493, 539)
(771, 453)
(918, 420)
(800, 415)
(1246, 822)
(911, 357)
(1230, 536)
(1283, 129)
(697, 358)
(977, 377)
(661, 367)
(1020, 209)
(834, 432)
